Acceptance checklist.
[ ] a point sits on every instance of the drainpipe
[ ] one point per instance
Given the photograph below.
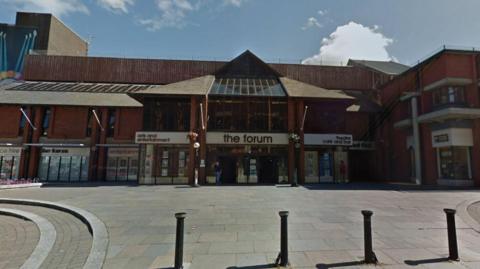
(416, 141)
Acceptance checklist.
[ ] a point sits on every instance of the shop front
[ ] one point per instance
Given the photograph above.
(65, 164)
(9, 162)
(122, 164)
(326, 157)
(453, 149)
(248, 158)
(164, 157)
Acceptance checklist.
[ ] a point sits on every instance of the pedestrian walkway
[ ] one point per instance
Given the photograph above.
(73, 240)
(238, 226)
(18, 239)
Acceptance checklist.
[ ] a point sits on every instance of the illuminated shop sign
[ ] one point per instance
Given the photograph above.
(161, 138)
(247, 138)
(329, 139)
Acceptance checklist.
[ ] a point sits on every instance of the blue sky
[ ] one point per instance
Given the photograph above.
(312, 31)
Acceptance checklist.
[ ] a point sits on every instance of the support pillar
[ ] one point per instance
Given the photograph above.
(416, 141)
(102, 151)
(191, 150)
(291, 146)
(301, 150)
(202, 174)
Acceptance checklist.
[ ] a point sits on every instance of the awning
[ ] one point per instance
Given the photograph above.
(194, 86)
(296, 88)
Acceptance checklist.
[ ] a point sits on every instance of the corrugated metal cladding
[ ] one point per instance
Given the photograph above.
(78, 87)
(149, 71)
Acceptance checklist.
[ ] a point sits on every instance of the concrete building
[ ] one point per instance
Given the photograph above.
(35, 33)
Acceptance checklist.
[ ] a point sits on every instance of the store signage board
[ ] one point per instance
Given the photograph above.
(328, 139)
(65, 151)
(363, 145)
(247, 138)
(123, 152)
(10, 151)
(452, 137)
(161, 138)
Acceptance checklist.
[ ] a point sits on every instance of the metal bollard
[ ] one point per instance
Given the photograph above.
(179, 240)
(452, 234)
(283, 256)
(370, 256)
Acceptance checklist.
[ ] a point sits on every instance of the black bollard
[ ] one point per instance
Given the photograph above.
(283, 256)
(452, 234)
(367, 230)
(179, 240)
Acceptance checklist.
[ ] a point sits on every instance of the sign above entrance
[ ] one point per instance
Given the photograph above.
(329, 139)
(161, 138)
(363, 145)
(247, 138)
(10, 151)
(461, 137)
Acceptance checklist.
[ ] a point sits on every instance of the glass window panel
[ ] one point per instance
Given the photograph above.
(75, 168)
(53, 168)
(84, 171)
(133, 169)
(43, 168)
(64, 174)
(7, 163)
(112, 169)
(122, 172)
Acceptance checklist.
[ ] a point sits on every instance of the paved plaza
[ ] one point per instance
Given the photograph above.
(238, 226)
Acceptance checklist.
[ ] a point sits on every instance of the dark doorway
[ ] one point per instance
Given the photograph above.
(360, 165)
(268, 170)
(228, 165)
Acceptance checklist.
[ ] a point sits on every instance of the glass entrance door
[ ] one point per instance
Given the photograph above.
(326, 167)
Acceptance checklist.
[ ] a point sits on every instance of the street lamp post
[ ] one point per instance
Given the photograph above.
(196, 145)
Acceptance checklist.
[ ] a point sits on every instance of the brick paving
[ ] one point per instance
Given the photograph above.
(238, 226)
(474, 211)
(18, 239)
(73, 241)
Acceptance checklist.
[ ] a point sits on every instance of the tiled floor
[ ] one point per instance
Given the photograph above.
(238, 226)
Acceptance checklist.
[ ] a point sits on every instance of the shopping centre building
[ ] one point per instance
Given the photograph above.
(77, 118)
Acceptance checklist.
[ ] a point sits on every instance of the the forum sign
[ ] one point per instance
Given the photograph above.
(247, 138)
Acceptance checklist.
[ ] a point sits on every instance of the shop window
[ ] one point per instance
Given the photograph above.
(46, 121)
(454, 163)
(122, 164)
(449, 95)
(63, 165)
(112, 117)
(9, 167)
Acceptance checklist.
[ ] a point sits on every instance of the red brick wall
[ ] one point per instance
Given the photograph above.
(68, 123)
(129, 121)
(10, 121)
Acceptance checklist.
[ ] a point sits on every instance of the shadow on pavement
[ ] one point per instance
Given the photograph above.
(262, 266)
(340, 264)
(374, 186)
(418, 262)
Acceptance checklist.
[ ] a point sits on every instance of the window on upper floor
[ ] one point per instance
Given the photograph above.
(449, 95)
(90, 122)
(112, 117)
(46, 121)
(169, 114)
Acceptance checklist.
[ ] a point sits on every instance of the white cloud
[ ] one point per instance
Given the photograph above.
(236, 3)
(312, 22)
(56, 7)
(116, 5)
(173, 14)
(322, 12)
(352, 41)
